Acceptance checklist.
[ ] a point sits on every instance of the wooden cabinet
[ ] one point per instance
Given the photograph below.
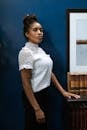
(77, 108)
(77, 114)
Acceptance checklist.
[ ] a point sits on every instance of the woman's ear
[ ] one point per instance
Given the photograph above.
(26, 34)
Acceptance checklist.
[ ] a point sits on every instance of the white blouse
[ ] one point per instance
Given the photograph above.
(31, 56)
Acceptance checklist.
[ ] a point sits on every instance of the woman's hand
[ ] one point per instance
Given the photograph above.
(40, 116)
(70, 95)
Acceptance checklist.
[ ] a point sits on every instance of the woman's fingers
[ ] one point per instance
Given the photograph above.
(40, 116)
(41, 120)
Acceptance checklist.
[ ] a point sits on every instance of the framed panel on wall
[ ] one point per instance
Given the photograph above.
(77, 40)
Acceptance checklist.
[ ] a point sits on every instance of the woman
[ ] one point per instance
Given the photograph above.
(36, 73)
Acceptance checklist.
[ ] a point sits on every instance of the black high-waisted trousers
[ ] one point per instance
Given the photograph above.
(30, 119)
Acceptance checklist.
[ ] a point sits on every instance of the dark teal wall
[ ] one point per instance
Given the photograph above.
(52, 15)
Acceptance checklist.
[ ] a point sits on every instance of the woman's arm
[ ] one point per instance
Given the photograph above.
(26, 75)
(60, 88)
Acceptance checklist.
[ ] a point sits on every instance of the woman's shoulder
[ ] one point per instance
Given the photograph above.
(25, 52)
(41, 49)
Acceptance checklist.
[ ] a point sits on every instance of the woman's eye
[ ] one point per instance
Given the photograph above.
(36, 29)
(41, 30)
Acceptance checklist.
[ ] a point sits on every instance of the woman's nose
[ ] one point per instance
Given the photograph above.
(39, 31)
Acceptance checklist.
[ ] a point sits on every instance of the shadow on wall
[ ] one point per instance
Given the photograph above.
(10, 99)
(7, 51)
(3, 51)
(4, 60)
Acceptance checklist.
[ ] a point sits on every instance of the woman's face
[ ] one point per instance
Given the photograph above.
(35, 33)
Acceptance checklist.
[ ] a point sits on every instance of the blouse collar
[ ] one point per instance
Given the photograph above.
(32, 46)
